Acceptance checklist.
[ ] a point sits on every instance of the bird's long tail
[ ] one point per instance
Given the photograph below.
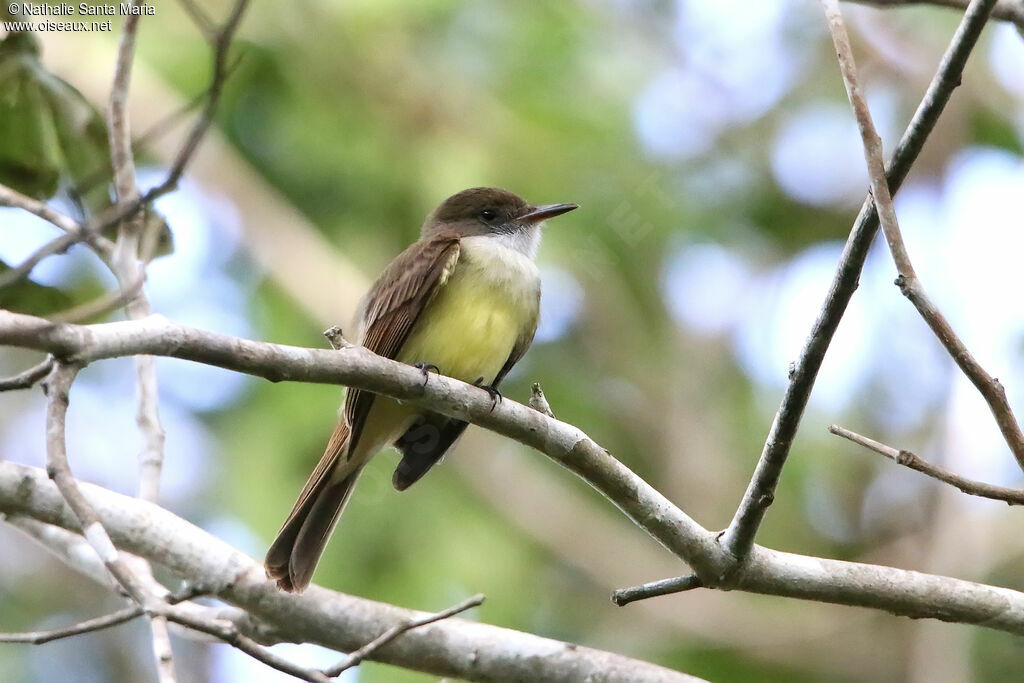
(295, 552)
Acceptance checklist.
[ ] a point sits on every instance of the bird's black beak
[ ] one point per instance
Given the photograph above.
(535, 214)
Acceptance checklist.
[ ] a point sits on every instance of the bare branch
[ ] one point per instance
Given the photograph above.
(357, 657)
(990, 388)
(118, 127)
(97, 624)
(357, 367)
(624, 596)
(28, 378)
(765, 571)
(1011, 11)
(538, 401)
(107, 303)
(57, 386)
(334, 620)
(199, 18)
(58, 245)
(908, 459)
(130, 272)
(11, 197)
(229, 633)
(76, 231)
(908, 282)
(335, 337)
(221, 70)
(738, 538)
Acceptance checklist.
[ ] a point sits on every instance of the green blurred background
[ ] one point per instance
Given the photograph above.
(718, 170)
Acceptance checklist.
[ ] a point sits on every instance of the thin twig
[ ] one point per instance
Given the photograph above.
(11, 197)
(58, 245)
(200, 18)
(28, 378)
(679, 584)
(908, 282)
(221, 70)
(229, 633)
(79, 233)
(356, 658)
(738, 538)
(1005, 10)
(89, 626)
(107, 303)
(538, 401)
(914, 462)
(336, 338)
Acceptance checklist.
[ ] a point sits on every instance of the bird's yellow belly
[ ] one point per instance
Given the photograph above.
(471, 326)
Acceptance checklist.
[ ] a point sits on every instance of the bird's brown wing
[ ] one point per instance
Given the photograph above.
(393, 306)
(522, 343)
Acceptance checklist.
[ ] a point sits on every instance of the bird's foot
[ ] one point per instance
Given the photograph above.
(425, 368)
(491, 390)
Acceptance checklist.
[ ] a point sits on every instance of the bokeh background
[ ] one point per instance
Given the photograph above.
(718, 169)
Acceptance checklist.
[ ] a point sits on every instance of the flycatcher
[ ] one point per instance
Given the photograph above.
(464, 301)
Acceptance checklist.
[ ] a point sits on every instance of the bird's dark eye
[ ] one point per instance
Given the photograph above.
(488, 214)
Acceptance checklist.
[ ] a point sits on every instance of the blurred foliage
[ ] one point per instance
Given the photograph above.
(365, 115)
(50, 131)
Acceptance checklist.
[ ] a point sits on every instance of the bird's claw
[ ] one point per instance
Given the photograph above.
(425, 368)
(491, 390)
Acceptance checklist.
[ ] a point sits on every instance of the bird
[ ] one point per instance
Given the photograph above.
(463, 301)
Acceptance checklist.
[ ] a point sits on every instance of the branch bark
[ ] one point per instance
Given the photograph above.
(908, 282)
(738, 538)
(452, 647)
(1011, 11)
(765, 571)
(908, 459)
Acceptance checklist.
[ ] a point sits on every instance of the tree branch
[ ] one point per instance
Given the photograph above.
(27, 378)
(908, 459)
(738, 538)
(75, 230)
(452, 647)
(58, 245)
(89, 626)
(1011, 11)
(908, 282)
(679, 584)
(357, 657)
(765, 571)
(57, 386)
(357, 367)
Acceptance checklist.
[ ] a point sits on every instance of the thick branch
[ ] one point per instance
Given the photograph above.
(355, 366)
(760, 493)
(766, 571)
(452, 647)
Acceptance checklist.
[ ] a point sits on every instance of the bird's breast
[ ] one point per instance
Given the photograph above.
(489, 301)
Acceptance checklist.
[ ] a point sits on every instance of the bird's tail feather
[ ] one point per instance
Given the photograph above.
(295, 552)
